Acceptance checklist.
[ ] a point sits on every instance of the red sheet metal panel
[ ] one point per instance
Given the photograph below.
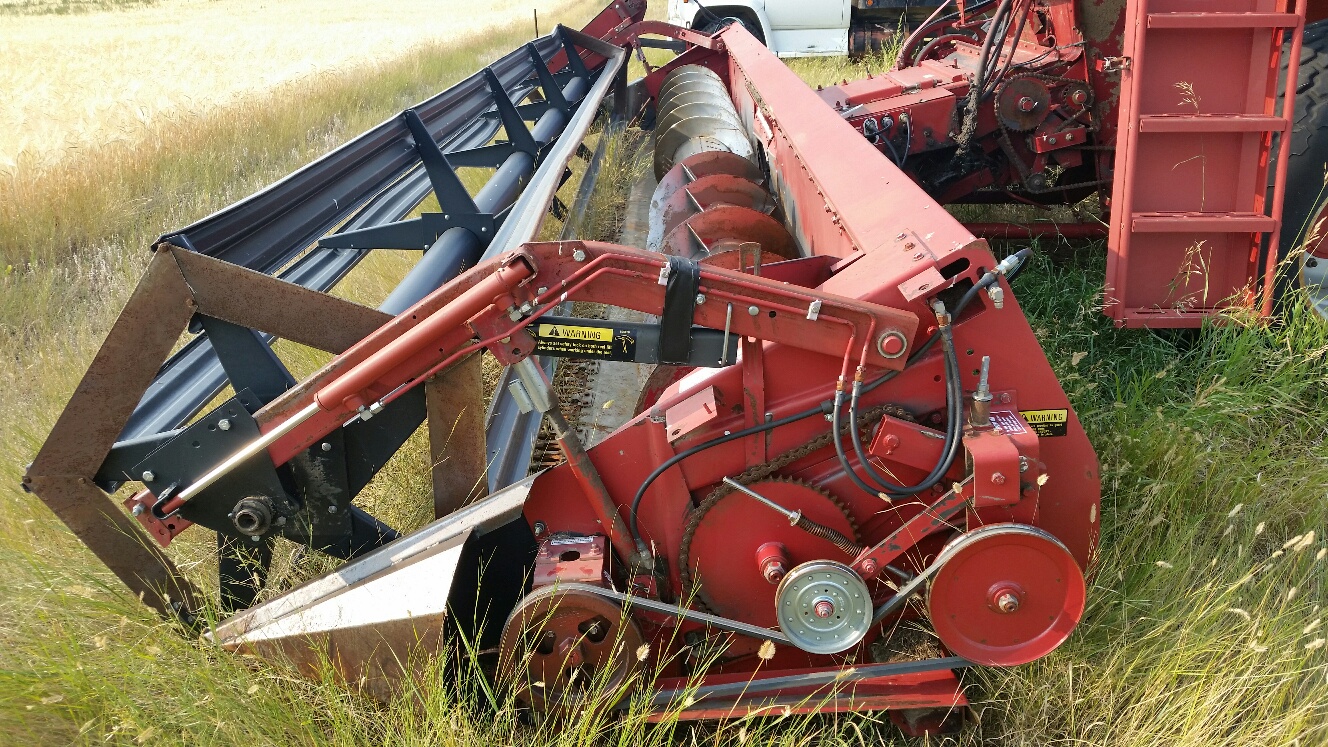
(1190, 214)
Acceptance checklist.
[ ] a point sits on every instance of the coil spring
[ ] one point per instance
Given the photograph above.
(829, 535)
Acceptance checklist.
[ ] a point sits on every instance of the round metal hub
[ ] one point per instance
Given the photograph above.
(1005, 594)
(824, 607)
(563, 650)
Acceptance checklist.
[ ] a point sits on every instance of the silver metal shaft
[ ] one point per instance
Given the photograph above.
(250, 449)
(792, 516)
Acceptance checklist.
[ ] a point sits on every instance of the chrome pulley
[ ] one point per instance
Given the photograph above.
(824, 607)
(565, 649)
(1005, 594)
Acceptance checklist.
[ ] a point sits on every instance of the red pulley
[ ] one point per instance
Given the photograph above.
(1006, 594)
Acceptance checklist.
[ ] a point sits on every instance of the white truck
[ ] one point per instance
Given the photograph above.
(806, 28)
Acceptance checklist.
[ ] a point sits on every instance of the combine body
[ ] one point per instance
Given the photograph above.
(850, 472)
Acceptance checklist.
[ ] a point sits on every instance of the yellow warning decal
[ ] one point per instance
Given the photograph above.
(568, 332)
(577, 341)
(1047, 422)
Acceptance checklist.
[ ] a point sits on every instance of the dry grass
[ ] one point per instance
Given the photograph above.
(1204, 626)
(74, 83)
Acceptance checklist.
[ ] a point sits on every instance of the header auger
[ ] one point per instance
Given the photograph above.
(844, 427)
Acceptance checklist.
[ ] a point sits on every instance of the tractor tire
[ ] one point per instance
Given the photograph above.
(1306, 194)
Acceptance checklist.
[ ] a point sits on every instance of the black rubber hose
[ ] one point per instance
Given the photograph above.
(1019, 31)
(986, 280)
(834, 407)
(839, 449)
(633, 524)
(969, 128)
(999, 33)
(954, 395)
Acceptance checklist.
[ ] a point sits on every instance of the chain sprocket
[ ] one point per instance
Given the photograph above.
(757, 473)
(794, 494)
(1027, 178)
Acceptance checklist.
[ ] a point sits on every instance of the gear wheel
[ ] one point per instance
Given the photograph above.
(1022, 103)
(717, 557)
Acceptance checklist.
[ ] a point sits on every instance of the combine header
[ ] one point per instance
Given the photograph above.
(851, 472)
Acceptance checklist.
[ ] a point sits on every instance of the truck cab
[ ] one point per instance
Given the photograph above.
(806, 28)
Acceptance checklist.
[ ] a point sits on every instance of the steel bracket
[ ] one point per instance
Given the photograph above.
(416, 233)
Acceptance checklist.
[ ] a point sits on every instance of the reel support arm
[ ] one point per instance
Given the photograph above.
(492, 305)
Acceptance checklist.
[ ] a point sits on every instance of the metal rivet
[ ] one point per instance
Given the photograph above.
(331, 509)
(579, 255)
(753, 310)
(325, 446)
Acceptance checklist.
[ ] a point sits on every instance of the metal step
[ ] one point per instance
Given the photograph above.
(1222, 20)
(1196, 222)
(1196, 123)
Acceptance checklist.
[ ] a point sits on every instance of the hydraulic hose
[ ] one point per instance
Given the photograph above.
(632, 519)
(979, 81)
(1008, 267)
(1019, 32)
(954, 396)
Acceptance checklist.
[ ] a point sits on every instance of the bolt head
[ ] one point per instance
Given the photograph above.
(823, 608)
(890, 443)
(1027, 104)
(869, 566)
(138, 509)
(753, 310)
(1007, 602)
(331, 509)
(325, 446)
(1005, 398)
(700, 298)
(224, 424)
(774, 572)
(997, 478)
(539, 528)
(148, 476)
(579, 255)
